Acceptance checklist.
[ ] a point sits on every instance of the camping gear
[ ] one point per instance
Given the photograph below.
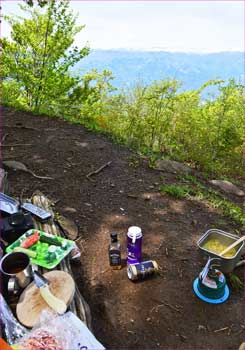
(8, 205)
(49, 249)
(143, 270)
(115, 252)
(12, 330)
(41, 214)
(16, 266)
(226, 264)
(211, 285)
(31, 302)
(134, 245)
(42, 283)
(232, 246)
(13, 226)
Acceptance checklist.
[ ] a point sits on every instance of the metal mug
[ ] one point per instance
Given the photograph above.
(17, 266)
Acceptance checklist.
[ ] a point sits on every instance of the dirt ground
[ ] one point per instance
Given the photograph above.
(158, 313)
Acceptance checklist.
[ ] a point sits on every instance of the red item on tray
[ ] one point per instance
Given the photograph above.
(29, 241)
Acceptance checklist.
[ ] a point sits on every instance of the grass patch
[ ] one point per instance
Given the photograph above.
(200, 192)
(176, 190)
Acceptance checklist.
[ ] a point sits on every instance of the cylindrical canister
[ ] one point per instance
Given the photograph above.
(142, 270)
(134, 245)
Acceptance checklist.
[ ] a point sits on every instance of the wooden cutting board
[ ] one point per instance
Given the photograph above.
(31, 303)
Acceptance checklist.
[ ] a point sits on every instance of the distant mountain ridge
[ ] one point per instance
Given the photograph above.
(193, 70)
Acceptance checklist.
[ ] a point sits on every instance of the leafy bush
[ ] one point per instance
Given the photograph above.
(157, 120)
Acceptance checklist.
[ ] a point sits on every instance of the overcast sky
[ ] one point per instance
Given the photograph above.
(196, 26)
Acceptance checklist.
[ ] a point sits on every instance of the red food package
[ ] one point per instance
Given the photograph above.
(42, 340)
(29, 241)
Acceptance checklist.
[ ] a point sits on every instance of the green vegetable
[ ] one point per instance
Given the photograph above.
(30, 253)
(50, 240)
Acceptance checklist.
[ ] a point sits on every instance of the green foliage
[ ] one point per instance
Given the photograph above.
(235, 282)
(200, 192)
(176, 191)
(40, 54)
(157, 120)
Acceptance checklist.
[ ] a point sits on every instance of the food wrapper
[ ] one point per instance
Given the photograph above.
(64, 332)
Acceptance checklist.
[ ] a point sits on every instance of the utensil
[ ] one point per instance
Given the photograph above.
(31, 304)
(42, 283)
(8, 205)
(226, 250)
(17, 267)
(226, 264)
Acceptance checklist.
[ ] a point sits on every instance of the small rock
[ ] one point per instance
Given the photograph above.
(171, 166)
(183, 337)
(151, 187)
(69, 210)
(132, 321)
(81, 144)
(235, 328)
(88, 204)
(69, 227)
(147, 197)
(201, 328)
(194, 222)
(227, 187)
(148, 319)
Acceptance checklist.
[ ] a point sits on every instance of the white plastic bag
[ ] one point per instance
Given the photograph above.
(83, 338)
(64, 332)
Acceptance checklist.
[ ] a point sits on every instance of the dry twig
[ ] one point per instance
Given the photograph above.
(221, 329)
(97, 170)
(155, 308)
(20, 127)
(3, 138)
(18, 145)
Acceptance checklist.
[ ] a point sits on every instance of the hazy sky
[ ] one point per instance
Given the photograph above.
(197, 26)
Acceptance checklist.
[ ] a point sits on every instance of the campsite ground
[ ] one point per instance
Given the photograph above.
(159, 313)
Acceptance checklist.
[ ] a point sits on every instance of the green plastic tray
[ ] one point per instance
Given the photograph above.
(45, 258)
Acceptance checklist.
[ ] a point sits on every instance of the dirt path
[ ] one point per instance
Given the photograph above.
(125, 315)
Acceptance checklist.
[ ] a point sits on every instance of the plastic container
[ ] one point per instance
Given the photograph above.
(227, 264)
(134, 245)
(44, 257)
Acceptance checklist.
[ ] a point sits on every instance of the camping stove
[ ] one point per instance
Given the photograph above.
(211, 285)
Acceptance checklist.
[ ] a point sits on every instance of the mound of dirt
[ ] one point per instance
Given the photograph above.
(158, 313)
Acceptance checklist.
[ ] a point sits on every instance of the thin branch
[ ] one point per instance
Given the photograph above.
(3, 138)
(20, 127)
(98, 170)
(18, 144)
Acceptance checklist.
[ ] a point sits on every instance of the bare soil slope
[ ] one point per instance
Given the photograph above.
(159, 313)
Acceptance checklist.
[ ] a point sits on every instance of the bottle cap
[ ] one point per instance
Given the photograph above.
(134, 232)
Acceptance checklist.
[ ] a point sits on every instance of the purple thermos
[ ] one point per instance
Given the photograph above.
(134, 244)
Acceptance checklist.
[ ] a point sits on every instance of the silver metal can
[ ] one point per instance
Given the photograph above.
(143, 270)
